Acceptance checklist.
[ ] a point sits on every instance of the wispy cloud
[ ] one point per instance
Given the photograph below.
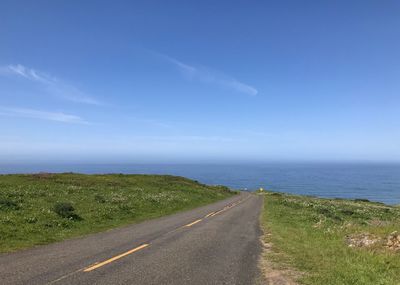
(43, 115)
(187, 69)
(207, 75)
(55, 86)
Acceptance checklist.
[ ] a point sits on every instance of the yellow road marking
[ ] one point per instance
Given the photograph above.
(216, 213)
(95, 266)
(193, 223)
(210, 214)
(226, 208)
(100, 264)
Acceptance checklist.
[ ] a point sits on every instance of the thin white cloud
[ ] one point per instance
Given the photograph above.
(187, 69)
(240, 86)
(43, 115)
(53, 85)
(206, 75)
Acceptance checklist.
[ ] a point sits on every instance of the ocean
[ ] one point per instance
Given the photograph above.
(373, 181)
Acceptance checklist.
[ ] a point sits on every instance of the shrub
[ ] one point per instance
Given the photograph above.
(6, 204)
(99, 198)
(66, 210)
(223, 188)
(329, 214)
(347, 212)
(361, 200)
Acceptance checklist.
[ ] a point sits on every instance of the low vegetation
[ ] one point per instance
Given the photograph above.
(43, 208)
(332, 241)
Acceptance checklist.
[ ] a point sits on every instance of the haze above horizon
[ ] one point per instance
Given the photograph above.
(199, 81)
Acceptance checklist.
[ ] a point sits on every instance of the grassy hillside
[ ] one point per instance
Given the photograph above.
(332, 241)
(42, 208)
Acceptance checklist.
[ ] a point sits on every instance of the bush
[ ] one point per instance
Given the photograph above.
(347, 212)
(6, 204)
(329, 214)
(223, 188)
(99, 198)
(361, 200)
(66, 210)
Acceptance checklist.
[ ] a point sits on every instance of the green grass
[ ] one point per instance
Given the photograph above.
(43, 208)
(309, 235)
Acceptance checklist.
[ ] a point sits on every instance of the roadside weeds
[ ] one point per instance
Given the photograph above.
(272, 273)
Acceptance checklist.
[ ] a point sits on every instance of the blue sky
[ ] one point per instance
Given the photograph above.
(199, 81)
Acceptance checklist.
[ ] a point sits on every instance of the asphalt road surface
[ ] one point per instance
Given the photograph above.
(215, 244)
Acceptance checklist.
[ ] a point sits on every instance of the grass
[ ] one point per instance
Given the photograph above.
(312, 236)
(44, 208)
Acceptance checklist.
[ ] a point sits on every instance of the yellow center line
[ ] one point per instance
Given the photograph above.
(105, 262)
(210, 214)
(193, 223)
(226, 208)
(97, 265)
(216, 213)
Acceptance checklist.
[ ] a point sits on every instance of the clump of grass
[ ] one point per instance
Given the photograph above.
(7, 204)
(42, 208)
(311, 235)
(66, 210)
(99, 198)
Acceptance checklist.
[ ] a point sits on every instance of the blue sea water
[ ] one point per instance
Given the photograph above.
(376, 182)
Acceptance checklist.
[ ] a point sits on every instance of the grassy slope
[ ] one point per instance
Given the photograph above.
(27, 202)
(309, 235)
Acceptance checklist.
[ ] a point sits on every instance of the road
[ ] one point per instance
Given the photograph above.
(214, 244)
